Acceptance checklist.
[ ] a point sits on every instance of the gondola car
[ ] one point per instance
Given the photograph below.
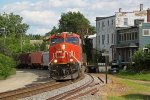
(65, 54)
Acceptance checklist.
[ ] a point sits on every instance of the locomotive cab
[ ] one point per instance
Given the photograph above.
(64, 56)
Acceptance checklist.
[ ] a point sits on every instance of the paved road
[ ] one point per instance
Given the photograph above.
(23, 77)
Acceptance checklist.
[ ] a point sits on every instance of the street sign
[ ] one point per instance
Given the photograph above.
(106, 53)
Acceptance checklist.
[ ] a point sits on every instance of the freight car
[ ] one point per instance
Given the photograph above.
(65, 56)
(36, 60)
(24, 60)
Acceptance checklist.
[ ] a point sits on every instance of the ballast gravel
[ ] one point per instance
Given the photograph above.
(49, 94)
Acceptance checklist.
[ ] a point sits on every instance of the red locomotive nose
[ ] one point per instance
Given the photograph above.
(60, 53)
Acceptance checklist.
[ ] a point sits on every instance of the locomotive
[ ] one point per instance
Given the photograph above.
(65, 56)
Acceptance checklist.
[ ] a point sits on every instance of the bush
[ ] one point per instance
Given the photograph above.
(6, 66)
(141, 60)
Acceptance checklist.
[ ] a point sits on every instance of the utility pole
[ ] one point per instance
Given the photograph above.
(106, 54)
(21, 42)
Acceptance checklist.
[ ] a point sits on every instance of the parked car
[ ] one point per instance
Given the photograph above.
(113, 70)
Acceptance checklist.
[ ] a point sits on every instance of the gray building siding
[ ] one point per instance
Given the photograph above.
(144, 40)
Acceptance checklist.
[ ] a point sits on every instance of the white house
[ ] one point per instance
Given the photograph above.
(106, 28)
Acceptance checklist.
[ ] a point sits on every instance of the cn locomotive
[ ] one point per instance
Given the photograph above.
(65, 56)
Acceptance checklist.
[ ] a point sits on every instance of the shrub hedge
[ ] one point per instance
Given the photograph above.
(7, 65)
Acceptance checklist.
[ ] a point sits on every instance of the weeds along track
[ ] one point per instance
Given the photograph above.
(34, 89)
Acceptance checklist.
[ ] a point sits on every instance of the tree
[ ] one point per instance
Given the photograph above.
(53, 31)
(92, 29)
(141, 59)
(13, 24)
(88, 48)
(74, 22)
(14, 30)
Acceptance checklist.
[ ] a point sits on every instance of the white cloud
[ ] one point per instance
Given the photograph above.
(67, 3)
(40, 31)
(73, 9)
(42, 15)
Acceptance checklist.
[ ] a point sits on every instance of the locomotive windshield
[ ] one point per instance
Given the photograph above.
(56, 41)
(72, 40)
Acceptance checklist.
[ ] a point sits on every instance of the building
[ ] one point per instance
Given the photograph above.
(131, 39)
(127, 43)
(106, 28)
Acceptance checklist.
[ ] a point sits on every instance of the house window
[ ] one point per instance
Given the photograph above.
(125, 21)
(125, 37)
(129, 37)
(146, 32)
(136, 35)
(112, 36)
(103, 39)
(99, 39)
(99, 25)
(107, 38)
(108, 22)
(133, 36)
(103, 24)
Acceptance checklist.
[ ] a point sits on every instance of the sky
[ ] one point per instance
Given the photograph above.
(42, 15)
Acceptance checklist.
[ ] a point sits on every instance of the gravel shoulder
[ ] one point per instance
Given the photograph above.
(23, 78)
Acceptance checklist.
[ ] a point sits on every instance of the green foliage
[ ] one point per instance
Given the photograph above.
(92, 29)
(12, 24)
(88, 48)
(6, 65)
(43, 46)
(74, 22)
(141, 60)
(53, 31)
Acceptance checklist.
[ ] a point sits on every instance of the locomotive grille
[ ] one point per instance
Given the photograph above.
(60, 54)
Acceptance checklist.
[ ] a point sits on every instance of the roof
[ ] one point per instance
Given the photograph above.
(101, 18)
(126, 28)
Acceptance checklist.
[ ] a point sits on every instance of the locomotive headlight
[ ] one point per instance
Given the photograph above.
(55, 61)
(71, 60)
(63, 46)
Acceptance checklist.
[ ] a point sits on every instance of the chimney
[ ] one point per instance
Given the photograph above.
(141, 7)
(148, 15)
(119, 9)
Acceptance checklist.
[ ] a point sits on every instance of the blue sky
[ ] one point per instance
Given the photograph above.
(42, 15)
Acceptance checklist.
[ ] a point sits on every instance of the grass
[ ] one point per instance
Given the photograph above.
(135, 89)
(135, 76)
(130, 97)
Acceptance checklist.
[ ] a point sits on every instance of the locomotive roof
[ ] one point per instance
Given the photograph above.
(65, 34)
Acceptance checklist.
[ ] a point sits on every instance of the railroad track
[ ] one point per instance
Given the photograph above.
(49, 86)
(34, 89)
(28, 91)
(69, 95)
